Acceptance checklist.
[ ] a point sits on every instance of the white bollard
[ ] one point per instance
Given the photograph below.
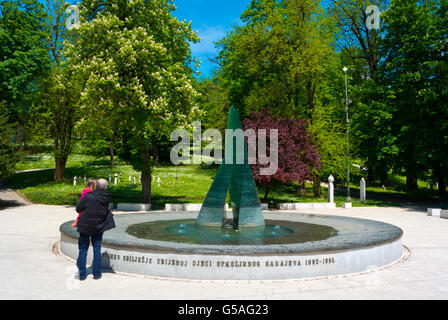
(135, 182)
(330, 189)
(362, 190)
(74, 181)
(444, 214)
(116, 178)
(434, 212)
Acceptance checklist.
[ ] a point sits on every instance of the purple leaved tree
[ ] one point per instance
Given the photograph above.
(298, 159)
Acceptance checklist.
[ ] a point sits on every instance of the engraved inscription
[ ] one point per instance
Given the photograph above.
(220, 263)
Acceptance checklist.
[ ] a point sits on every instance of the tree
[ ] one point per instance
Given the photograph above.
(328, 135)
(24, 58)
(358, 41)
(135, 59)
(9, 154)
(280, 60)
(414, 67)
(359, 47)
(57, 109)
(214, 102)
(298, 159)
(100, 136)
(403, 70)
(374, 129)
(438, 97)
(277, 59)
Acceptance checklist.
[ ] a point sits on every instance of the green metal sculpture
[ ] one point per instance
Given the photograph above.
(236, 178)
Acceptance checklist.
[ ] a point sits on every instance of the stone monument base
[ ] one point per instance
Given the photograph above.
(359, 245)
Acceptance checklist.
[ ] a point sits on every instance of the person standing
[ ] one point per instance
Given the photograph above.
(90, 186)
(96, 218)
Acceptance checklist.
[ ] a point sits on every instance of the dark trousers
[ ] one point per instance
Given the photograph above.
(83, 245)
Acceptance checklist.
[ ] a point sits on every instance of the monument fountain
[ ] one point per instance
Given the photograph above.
(252, 245)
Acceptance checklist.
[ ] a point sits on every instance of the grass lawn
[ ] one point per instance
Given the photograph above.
(178, 184)
(46, 160)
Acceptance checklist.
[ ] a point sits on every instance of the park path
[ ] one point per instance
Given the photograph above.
(30, 268)
(9, 198)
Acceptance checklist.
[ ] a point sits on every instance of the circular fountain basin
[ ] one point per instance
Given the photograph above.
(188, 231)
(291, 246)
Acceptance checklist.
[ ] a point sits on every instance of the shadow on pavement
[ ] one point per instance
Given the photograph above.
(10, 198)
(6, 204)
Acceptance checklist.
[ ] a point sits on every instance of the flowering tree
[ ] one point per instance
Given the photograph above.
(298, 158)
(135, 59)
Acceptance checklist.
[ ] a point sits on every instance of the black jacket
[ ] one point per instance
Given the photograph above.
(95, 209)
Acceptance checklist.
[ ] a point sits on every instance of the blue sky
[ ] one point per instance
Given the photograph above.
(211, 19)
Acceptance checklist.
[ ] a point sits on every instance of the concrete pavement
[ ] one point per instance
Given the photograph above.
(30, 267)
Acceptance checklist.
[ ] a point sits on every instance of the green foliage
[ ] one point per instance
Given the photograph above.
(58, 32)
(373, 129)
(414, 67)
(358, 43)
(54, 111)
(24, 57)
(277, 59)
(214, 102)
(399, 108)
(58, 108)
(330, 141)
(370, 135)
(9, 154)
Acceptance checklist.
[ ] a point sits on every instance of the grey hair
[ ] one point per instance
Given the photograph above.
(101, 184)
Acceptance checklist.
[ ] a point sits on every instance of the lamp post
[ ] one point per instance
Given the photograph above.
(348, 121)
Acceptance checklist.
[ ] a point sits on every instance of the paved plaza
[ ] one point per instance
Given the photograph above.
(32, 268)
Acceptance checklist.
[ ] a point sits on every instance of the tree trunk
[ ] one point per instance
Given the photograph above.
(60, 168)
(111, 155)
(442, 192)
(146, 186)
(268, 188)
(302, 189)
(370, 176)
(411, 182)
(310, 91)
(21, 138)
(317, 187)
(384, 180)
(156, 151)
(442, 186)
